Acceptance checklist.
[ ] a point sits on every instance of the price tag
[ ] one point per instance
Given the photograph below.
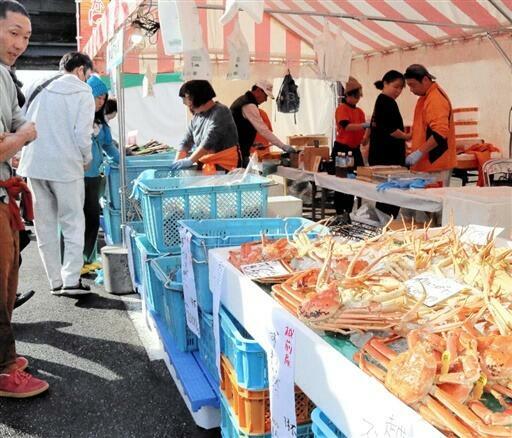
(264, 270)
(281, 375)
(216, 273)
(478, 234)
(436, 288)
(189, 284)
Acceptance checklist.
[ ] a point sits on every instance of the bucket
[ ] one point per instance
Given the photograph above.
(116, 273)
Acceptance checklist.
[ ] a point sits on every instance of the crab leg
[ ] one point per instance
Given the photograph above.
(503, 418)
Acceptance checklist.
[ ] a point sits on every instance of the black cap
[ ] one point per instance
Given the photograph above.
(417, 71)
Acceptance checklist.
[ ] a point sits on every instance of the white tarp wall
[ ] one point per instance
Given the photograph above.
(161, 117)
(316, 113)
(472, 73)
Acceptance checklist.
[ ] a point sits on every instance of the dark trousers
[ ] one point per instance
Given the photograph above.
(92, 216)
(9, 259)
(342, 201)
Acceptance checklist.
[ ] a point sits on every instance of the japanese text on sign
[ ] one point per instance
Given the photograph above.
(189, 284)
(281, 371)
(433, 287)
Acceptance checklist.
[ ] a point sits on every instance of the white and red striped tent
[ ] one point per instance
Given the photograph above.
(289, 27)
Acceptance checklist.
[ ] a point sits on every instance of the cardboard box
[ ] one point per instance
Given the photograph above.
(300, 141)
(310, 154)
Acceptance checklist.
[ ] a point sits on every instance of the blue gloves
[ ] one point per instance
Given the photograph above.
(413, 158)
(418, 183)
(184, 163)
(366, 125)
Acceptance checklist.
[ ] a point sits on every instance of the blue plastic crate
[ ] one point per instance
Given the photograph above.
(165, 201)
(206, 344)
(168, 272)
(230, 429)
(245, 355)
(323, 427)
(134, 263)
(217, 233)
(112, 225)
(134, 166)
(152, 289)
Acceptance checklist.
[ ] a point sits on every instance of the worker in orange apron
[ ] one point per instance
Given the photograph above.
(211, 137)
(433, 131)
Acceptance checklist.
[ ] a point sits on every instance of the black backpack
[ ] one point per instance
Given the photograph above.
(288, 100)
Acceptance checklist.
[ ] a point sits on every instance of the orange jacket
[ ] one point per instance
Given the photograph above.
(227, 159)
(352, 115)
(15, 187)
(259, 140)
(433, 116)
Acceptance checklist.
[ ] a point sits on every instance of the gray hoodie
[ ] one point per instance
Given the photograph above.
(63, 113)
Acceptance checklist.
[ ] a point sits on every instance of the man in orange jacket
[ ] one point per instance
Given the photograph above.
(433, 135)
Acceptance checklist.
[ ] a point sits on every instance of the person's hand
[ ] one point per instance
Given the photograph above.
(288, 149)
(407, 136)
(2, 136)
(413, 158)
(27, 132)
(184, 163)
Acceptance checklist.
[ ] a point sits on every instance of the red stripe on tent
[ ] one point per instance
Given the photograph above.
(389, 11)
(348, 7)
(477, 13)
(131, 58)
(432, 14)
(203, 20)
(292, 46)
(298, 28)
(346, 28)
(262, 39)
(228, 29)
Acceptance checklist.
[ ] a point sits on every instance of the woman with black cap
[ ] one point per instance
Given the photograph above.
(387, 135)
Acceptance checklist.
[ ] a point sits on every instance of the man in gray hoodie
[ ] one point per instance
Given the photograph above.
(63, 110)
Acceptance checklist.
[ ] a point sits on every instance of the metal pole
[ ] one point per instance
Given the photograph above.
(501, 10)
(122, 141)
(354, 17)
(500, 49)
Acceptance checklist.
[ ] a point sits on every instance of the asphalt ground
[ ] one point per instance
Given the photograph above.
(102, 381)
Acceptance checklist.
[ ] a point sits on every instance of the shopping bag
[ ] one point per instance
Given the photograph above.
(254, 8)
(197, 65)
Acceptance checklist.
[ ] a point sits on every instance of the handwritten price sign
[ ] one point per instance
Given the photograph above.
(281, 371)
(189, 284)
(436, 288)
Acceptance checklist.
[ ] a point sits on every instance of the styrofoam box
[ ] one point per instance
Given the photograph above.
(284, 206)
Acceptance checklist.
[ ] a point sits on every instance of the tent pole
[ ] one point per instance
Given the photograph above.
(501, 10)
(354, 17)
(500, 49)
(122, 142)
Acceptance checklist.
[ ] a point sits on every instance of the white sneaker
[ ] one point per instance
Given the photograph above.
(56, 290)
(72, 291)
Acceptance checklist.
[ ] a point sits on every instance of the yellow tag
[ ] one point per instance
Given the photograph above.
(478, 390)
(482, 380)
(445, 362)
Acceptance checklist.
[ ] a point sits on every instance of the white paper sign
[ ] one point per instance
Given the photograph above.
(264, 269)
(478, 234)
(197, 65)
(281, 375)
(216, 286)
(189, 284)
(115, 50)
(437, 288)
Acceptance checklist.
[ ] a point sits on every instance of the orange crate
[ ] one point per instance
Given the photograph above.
(252, 408)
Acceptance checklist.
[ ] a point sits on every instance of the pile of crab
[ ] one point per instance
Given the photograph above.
(459, 350)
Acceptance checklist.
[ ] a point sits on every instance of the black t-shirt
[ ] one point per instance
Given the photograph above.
(386, 119)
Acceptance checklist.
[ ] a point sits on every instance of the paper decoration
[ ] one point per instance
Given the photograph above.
(179, 24)
(334, 55)
(189, 284)
(217, 270)
(254, 8)
(197, 65)
(239, 58)
(148, 83)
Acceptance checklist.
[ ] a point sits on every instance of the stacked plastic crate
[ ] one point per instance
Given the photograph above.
(245, 400)
(111, 203)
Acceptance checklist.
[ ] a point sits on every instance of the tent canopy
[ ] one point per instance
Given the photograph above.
(290, 27)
